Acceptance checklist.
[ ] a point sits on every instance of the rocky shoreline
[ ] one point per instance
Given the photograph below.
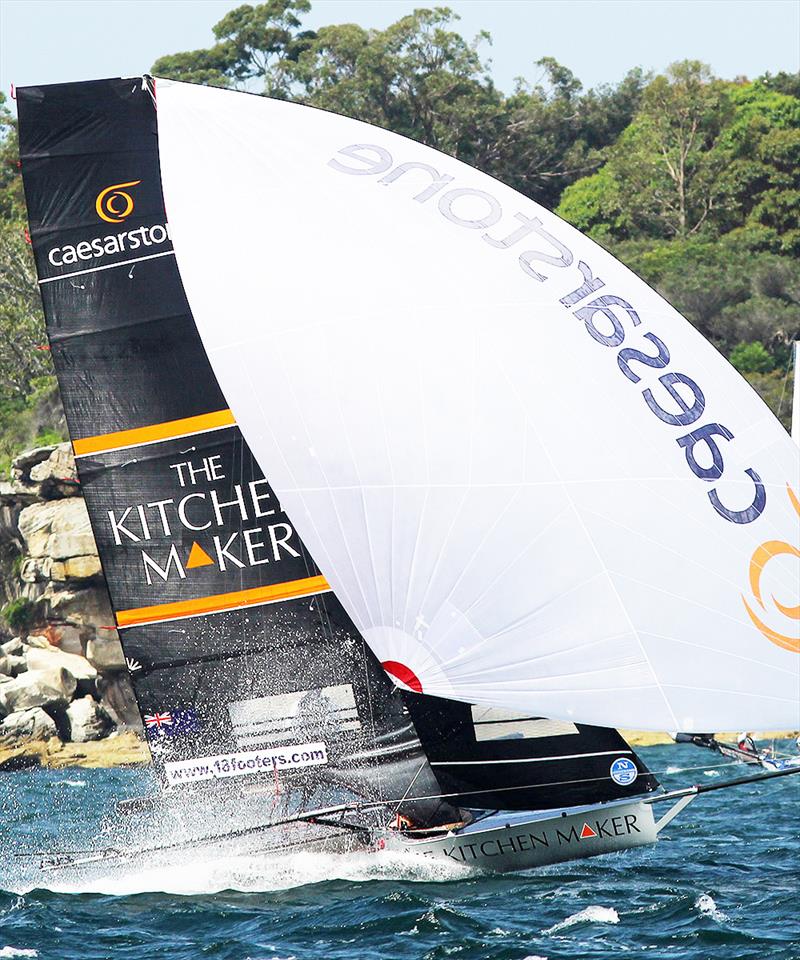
(63, 678)
(65, 694)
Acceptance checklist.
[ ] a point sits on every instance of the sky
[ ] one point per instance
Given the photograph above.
(52, 41)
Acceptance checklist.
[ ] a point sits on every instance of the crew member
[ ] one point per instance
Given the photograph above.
(747, 744)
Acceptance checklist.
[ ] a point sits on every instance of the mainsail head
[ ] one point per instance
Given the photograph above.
(531, 482)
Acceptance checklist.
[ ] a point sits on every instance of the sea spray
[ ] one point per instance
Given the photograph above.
(591, 914)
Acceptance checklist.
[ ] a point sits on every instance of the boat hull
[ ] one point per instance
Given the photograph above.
(512, 841)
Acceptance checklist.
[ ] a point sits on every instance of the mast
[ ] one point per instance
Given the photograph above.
(796, 393)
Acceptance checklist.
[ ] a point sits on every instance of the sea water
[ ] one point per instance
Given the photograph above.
(723, 882)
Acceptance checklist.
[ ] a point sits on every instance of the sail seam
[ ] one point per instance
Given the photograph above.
(107, 266)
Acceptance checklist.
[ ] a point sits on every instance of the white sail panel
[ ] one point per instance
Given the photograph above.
(530, 481)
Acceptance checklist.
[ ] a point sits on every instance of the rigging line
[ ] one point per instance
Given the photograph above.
(413, 781)
(792, 353)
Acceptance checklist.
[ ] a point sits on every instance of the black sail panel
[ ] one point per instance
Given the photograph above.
(494, 759)
(244, 663)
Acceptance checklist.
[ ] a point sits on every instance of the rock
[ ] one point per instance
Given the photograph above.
(78, 666)
(22, 464)
(38, 640)
(33, 724)
(87, 720)
(37, 688)
(13, 647)
(58, 529)
(12, 666)
(66, 637)
(104, 651)
(81, 568)
(84, 608)
(36, 569)
(56, 475)
(116, 691)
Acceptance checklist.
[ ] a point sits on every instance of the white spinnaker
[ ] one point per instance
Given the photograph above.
(487, 491)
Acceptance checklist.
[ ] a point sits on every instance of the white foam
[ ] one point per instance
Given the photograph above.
(592, 914)
(711, 773)
(18, 952)
(706, 905)
(75, 783)
(257, 874)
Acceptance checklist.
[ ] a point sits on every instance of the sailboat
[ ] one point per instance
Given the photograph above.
(407, 494)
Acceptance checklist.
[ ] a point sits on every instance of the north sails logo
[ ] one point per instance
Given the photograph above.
(761, 557)
(114, 203)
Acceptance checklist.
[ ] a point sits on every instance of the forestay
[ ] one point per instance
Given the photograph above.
(531, 482)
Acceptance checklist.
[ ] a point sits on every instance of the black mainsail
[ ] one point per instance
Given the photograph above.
(244, 664)
(500, 760)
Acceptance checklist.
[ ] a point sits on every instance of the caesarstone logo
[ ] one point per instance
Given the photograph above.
(762, 555)
(114, 203)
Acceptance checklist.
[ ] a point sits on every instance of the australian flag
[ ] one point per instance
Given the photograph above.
(171, 723)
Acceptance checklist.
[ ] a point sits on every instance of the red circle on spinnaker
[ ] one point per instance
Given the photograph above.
(404, 674)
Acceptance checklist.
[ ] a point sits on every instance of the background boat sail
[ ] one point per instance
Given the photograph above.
(499, 516)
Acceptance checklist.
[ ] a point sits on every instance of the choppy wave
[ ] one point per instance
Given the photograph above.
(591, 914)
(721, 883)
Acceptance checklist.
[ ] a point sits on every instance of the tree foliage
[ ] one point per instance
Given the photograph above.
(691, 180)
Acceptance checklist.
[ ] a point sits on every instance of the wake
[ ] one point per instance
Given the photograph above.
(210, 874)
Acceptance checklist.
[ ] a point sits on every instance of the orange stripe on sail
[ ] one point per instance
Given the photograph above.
(155, 432)
(223, 601)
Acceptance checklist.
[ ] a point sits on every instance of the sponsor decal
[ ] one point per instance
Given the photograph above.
(132, 665)
(247, 763)
(508, 843)
(142, 239)
(114, 203)
(173, 723)
(758, 562)
(204, 504)
(156, 721)
(403, 676)
(623, 771)
(676, 400)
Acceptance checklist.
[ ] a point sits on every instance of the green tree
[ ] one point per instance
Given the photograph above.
(555, 133)
(752, 358)
(418, 78)
(252, 43)
(24, 358)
